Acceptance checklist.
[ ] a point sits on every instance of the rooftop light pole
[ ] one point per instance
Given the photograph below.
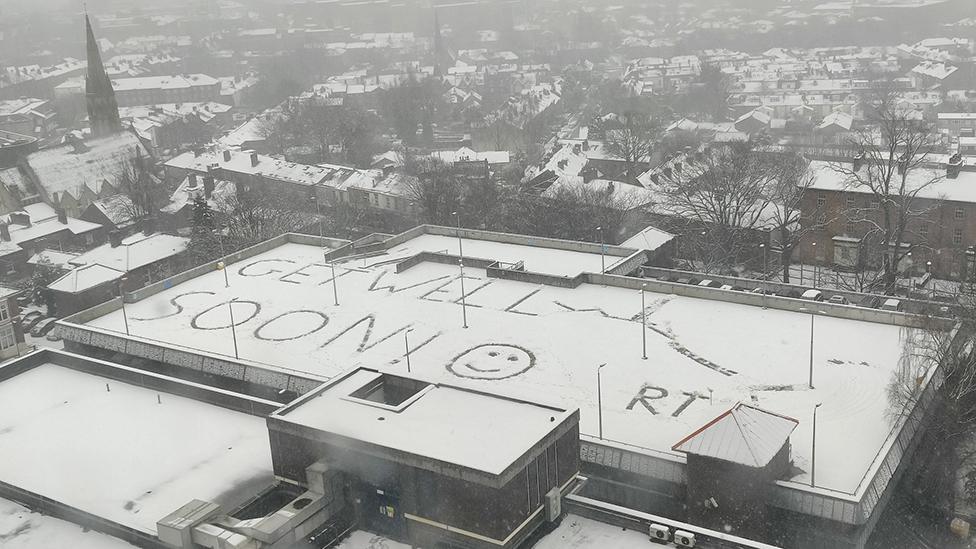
(643, 322)
(125, 318)
(233, 327)
(457, 216)
(813, 455)
(406, 344)
(816, 272)
(603, 261)
(223, 267)
(464, 306)
(335, 284)
(765, 265)
(599, 401)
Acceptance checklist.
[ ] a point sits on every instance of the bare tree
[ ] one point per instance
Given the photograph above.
(725, 190)
(435, 188)
(144, 193)
(895, 147)
(259, 214)
(792, 179)
(633, 142)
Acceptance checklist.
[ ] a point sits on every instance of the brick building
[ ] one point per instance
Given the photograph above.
(942, 228)
(11, 332)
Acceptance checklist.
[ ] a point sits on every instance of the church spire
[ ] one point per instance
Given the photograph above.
(103, 110)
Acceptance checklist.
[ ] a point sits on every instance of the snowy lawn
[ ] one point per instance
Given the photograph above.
(21, 528)
(120, 454)
(703, 356)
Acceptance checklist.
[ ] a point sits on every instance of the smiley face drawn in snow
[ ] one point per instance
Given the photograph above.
(492, 361)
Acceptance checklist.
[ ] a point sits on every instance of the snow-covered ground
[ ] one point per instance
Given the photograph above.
(21, 528)
(124, 454)
(703, 356)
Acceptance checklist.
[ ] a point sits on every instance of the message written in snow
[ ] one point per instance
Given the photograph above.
(487, 361)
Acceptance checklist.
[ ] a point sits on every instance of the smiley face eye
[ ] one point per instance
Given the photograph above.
(512, 358)
(493, 353)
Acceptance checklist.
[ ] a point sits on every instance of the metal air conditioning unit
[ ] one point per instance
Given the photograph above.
(659, 532)
(684, 539)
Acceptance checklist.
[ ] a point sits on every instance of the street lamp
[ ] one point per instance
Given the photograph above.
(464, 307)
(233, 327)
(599, 401)
(406, 344)
(125, 318)
(816, 272)
(335, 284)
(930, 281)
(763, 246)
(457, 216)
(643, 322)
(603, 261)
(223, 267)
(813, 453)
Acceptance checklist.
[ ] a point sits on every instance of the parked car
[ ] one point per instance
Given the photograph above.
(788, 293)
(31, 319)
(727, 287)
(710, 283)
(839, 300)
(43, 327)
(871, 301)
(891, 304)
(812, 295)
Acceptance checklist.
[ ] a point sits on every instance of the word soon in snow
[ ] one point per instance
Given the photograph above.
(649, 393)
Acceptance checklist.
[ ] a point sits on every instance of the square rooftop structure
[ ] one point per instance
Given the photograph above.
(456, 463)
(123, 444)
(707, 348)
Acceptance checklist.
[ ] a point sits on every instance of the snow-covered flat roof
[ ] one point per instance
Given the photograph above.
(21, 528)
(121, 454)
(704, 356)
(450, 424)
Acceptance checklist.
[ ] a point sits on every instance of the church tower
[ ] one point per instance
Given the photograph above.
(103, 110)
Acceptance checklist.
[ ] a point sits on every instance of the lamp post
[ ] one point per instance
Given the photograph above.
(603, 261)
(813, 454)
(643, 322)
(930, 282)
(233, 327)
(125, 318)
(406, 344)
(599, 401)
(223, 267)
(815, 270)
(457, 216)
(812, 317)
(335, 284)
(464, 307)
(763, 246)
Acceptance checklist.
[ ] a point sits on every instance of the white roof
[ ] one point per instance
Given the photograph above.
(85, 277)
(960, 189)
(61, 169)
(745, 435)
(467, 428)
(163, 82)
(136, 251)
(651, 238)
(44, 222)
(466, 154)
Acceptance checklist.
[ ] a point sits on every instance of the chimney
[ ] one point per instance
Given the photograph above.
(20, 218)
(954, 166)
(115, 238)
(208, 186)
(226, 156)
(4, 232)
(62, 215)
(586, 145)
(666, 172)
(148, 226)
(254, 158)
(191, 181)
(655, 178)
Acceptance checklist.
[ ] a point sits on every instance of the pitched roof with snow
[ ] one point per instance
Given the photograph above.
(136, 251)
(65, 169)
(745, 435)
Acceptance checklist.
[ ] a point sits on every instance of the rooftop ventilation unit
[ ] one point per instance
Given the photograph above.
(659, 532)
(684, 539)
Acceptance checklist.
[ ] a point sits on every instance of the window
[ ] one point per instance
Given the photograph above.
(875, 204)
(851, 202)
(89, 239)
(7, 337)
(4, 311)
(822, 222)
(923, 230)
(960, 213)
(849, 227)
(821, 200)
(957, 236)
